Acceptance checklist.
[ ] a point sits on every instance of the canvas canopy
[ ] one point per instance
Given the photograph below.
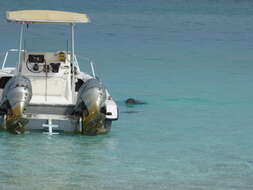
(46, 16)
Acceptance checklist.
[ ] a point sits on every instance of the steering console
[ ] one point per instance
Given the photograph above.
(35, 63)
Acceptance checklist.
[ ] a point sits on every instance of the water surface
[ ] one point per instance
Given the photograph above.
(191, 61)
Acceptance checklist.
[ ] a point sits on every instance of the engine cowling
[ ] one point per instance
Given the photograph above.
(91, 107)
(16, 96)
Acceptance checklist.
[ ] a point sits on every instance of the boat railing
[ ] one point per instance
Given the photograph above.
(7, 54)
(90, 62)
(75, 61)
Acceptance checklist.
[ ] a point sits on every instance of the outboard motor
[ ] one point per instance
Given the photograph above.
(16, 96)
(91, 107)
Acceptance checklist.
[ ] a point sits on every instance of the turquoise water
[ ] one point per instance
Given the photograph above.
(191, 61)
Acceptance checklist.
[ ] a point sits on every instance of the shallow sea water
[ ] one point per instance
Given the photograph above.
(191, 61)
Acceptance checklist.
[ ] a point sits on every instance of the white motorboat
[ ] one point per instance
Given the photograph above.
(47, 91)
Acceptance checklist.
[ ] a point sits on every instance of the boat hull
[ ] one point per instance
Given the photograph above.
(64, 125)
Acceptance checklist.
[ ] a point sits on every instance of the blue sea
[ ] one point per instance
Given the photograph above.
(190, 61)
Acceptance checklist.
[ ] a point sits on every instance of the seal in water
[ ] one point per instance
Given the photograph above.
(132, 101)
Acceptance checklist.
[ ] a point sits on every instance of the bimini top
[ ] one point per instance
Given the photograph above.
(46, 16)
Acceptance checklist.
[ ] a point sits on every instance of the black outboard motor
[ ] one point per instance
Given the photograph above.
(91, 107)
(16, 96)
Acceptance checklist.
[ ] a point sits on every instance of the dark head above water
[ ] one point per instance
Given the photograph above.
(132, 101)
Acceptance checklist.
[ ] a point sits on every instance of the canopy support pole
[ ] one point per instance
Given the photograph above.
(72, 58)
(20, 46)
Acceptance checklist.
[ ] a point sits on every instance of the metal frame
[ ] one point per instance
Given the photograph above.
(7, 54)
(16, 50)
(90, 62)
(20, 46)
(73, 58)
